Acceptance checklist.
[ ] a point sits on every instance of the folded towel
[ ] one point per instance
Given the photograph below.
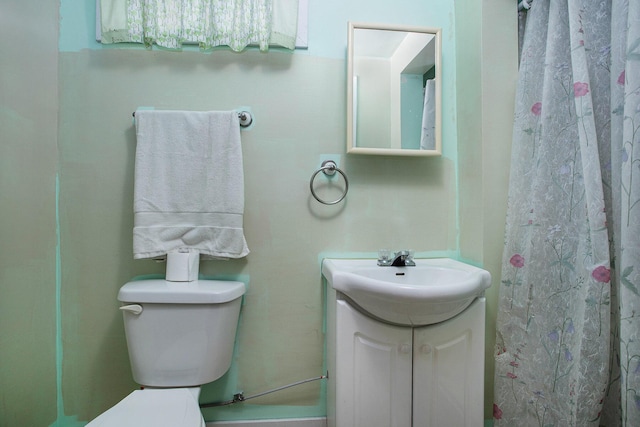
(189, 184)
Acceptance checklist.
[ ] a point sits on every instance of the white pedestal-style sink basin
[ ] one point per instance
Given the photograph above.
(432, 291)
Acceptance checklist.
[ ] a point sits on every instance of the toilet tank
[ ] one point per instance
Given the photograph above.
(180, 334)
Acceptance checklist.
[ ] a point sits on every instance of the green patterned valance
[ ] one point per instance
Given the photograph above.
(208, 23)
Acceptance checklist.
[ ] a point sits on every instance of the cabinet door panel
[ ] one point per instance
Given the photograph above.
(448, 386)
(373, 375)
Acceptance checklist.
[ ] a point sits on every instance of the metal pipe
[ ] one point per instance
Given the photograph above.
(239, 397)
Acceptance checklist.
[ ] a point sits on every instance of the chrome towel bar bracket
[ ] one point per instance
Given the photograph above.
(245, 118)
(329, 168)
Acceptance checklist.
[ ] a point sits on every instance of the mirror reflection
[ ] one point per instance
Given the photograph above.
(393, 100)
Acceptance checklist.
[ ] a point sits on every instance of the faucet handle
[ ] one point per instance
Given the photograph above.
(410, 254)
(384, 257)
(409, 262)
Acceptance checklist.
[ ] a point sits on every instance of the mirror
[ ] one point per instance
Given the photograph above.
(393, 90)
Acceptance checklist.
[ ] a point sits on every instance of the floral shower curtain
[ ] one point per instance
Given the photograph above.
(568, 328)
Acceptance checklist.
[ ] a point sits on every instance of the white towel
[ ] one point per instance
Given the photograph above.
(428, 134)
(189, 184)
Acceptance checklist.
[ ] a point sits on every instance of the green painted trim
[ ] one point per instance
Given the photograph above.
(246, 412)
(59, 346)
(61, 419)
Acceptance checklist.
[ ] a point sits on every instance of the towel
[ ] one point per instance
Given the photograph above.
(189, 184)
(428, 135)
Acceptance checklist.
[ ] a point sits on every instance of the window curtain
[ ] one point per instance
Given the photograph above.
(209, 23)
(568, 327)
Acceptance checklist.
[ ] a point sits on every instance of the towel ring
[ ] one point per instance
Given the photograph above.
(329, 168)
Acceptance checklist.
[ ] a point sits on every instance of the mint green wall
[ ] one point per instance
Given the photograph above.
(67, 170)
(28, 127)
(327, 28)
(412, 104)
(327, 21)
(486, 50)
(298, 100)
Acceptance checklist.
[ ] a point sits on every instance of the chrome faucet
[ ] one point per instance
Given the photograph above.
(399, 259)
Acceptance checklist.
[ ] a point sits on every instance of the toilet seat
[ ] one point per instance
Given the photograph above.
(168, 407)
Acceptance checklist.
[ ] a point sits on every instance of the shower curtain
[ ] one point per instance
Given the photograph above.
(568, 327)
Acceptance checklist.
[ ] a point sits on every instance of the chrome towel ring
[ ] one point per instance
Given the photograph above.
(329, 168)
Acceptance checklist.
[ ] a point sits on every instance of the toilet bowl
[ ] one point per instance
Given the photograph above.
(179, 336)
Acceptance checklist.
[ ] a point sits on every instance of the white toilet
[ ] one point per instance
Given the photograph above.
(180, 335)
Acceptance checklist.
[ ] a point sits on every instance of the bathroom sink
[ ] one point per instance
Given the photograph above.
(432, 291)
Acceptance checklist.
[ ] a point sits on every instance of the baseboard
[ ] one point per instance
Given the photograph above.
(286, 422)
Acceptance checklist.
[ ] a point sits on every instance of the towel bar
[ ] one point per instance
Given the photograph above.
(245, 118)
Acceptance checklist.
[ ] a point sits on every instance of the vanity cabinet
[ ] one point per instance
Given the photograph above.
(383, 375)
(448, 374)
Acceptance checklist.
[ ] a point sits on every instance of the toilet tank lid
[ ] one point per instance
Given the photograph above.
(196, 292)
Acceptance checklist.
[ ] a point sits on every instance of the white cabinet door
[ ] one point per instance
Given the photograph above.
(373, 371)
(448, 377)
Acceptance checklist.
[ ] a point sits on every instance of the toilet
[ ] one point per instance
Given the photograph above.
(180, 335)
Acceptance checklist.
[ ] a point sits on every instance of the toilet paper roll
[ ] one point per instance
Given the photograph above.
(182, 266)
